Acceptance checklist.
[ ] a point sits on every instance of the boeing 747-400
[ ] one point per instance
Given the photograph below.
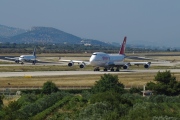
(112, 62)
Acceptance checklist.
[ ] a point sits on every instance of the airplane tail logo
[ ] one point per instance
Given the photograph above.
(123, 46)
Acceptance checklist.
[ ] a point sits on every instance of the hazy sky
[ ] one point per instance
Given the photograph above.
(151, 21)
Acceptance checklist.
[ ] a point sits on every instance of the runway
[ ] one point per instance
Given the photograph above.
(57, 73)
(81, 72)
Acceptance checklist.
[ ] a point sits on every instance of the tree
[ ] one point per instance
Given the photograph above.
(49, 87)
(108, 82)
(165, 84)
(96, 111)
(1, 101)
(165, 77)
(11, 110)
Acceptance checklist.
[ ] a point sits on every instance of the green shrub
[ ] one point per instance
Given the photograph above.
(165, 84)
(47, 111)
(49, 87)
(30, 110)
(108, 82)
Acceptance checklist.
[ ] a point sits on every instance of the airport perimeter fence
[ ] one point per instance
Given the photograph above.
(14, 90)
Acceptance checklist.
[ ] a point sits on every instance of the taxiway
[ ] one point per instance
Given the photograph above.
(57, 73)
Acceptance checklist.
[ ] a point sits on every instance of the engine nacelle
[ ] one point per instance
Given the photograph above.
(147, 65)
(82, 65)
(70, 64)
(125, 66)
(16, 61)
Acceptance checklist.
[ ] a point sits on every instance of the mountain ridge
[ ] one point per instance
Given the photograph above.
(6, 31)
(43, 35)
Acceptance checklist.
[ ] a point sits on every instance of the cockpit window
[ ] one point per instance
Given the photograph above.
(94, 54)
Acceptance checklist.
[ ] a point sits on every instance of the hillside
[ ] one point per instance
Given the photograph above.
(6, 31)
(2, 39)
(43, 35)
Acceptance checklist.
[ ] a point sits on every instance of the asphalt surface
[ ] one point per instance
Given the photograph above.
(56, 73)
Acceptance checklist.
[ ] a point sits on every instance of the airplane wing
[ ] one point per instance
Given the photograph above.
(75, 61)
(146, 64)
(138, 58)
(128, 63)
(139, 63)
(82, 64)
(11, 58)
(125, 65)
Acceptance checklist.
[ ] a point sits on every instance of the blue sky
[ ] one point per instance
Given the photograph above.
(152, 22)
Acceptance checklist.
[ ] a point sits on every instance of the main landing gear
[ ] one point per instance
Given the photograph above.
(96, 69)
(106, 69)
(33, 62)
(17, 61)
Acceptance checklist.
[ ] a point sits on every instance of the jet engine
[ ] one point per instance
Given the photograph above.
(70, 64)
(125, 66)
(147, 65)
(82, 65)
(16, 61)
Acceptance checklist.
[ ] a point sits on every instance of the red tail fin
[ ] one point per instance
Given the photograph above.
(123, 46)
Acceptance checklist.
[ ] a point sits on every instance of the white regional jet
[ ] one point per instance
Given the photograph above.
(25, 58)
(109, 61)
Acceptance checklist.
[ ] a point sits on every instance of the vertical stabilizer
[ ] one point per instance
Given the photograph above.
(123, 46)
(34, 52)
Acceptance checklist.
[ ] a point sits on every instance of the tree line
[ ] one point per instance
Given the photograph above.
(65, 48)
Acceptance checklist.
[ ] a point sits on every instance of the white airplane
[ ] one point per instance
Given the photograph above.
(25, 58)
(109, 61)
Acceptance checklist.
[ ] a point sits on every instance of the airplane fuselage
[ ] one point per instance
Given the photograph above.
(27, 58)
(104, 60)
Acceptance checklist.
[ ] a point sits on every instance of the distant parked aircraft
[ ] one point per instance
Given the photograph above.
(25, 58)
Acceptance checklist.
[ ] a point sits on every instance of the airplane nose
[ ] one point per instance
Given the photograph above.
(91, 60)
(21, 59)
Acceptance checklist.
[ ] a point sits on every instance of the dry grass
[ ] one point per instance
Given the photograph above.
(26, 68)
(128, 79)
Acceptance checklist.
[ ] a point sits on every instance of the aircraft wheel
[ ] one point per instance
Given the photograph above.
(117, 70)
(112, 69)
(17, 61)
(96, 69)
(105, 69)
